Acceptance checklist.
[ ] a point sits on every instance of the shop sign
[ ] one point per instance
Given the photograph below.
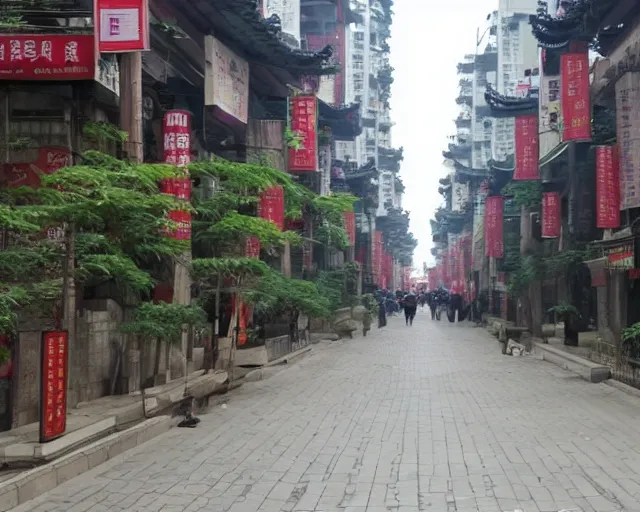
(176, 129)
(226, 80)
(607, 187)
(53, 389)
(620, 258)
(576, 107)
(634, 274)
(628, 131)
(122, 25)
(271, 206)
(47, 57)
(376, 256)
(494, 229)
(252, 247)
(526, 133)
(304, 121)
(28, 174)
(182, 219)
(350, 227)
(180, 188)
(551, 215)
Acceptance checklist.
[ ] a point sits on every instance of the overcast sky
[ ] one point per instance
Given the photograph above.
(429, 37)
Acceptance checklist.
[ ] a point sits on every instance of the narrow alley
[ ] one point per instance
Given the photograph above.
(407, 419)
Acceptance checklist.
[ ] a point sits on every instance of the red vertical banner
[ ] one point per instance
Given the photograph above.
(388, 269)
(551, 214)
(176, 134)
(494, 227)
(376, 256)
(575, 100)
(271, 206)
(607, 187)
(360, 256)
(406, 278)
(446, 269)
(53, 380)
(350, 227)
(304, 123)
(252, 247)
(433, 278)
(526, 134)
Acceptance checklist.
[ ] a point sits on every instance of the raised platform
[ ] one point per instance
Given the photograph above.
(588, 370)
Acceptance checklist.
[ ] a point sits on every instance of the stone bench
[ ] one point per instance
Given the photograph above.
(588, 370)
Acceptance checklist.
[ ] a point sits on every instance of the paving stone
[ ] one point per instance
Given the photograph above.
(429, 418)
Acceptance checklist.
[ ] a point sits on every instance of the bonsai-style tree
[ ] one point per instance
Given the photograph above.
(569, 315)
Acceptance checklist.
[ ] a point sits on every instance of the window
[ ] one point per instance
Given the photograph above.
(358, 36)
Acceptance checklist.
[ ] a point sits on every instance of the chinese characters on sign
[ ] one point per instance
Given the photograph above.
(376, 256)
(350, 227)
(493, 227)
(50, 159)
(53, 391)
(122, 25)
(621, 257)
(226, 80)
(551, 215)
(47, 57)
(271, 206)
(550, 117)
(526, 148)
(576, 109)
(607, 187)
(182, 220)
(628, 130)
(252, 247)
(304, 122)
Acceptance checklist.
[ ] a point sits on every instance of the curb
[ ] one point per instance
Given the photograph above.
(588, 370)
(289, 357)
(621, 386)
(37, 481)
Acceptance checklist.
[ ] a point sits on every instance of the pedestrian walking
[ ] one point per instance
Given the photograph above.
(410, 307)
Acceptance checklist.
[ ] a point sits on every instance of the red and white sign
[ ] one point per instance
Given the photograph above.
(304, 120)
(551, 208)
(493, 227)
(122, 25)
(183, 222)
(377, 248)
(53, 381)
(576, 106)
(350, 227)
(50, 159)
(607, 187)
(252, 247)
(177, 187)
(271, 206)
(526, 132)
(176, 130)
(47, 57)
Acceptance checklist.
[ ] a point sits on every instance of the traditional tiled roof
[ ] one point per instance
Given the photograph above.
(510, 106)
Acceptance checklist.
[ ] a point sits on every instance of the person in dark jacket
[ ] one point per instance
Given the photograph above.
(410, 306)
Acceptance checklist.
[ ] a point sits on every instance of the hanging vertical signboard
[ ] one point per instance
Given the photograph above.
(576, 106)
(350, 227)
(121, 26)
(376, 256)
(526, 133)
(433, 279)
(53, 384)
(551, 215)
(550, 116)
(607, 187)
(271, 206)
(304, 122)
(493, 227)
(628, 131)
(226, 82)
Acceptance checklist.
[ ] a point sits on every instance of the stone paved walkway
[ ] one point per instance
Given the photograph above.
(427, 418)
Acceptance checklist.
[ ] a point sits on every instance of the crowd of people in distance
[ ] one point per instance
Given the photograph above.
(438, 301)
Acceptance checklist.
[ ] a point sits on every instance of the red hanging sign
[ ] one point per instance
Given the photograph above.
(551, 216)
(53, 385)
(378, 248)
(493, 227)
(388, 269)
(183, 221)
(176, 130)
(252, 247)
(350, 227)
(304, 121)
(271, 206)
(433, 279)
(121, 25)
(607, 187)
(526, 133)
(576, 106)
(47, 57)
(180, 188)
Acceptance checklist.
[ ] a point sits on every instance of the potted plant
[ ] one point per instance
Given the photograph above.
(569, 315)
(631, 344)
